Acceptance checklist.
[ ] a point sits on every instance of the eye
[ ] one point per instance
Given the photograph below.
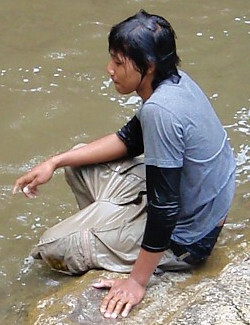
(117, 62)
(117, 59)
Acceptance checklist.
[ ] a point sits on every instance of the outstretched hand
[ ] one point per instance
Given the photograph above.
(123, 295)
(38, 175)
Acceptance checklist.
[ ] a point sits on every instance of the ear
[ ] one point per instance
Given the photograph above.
(151, 68)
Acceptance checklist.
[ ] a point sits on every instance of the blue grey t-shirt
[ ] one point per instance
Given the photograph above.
(181, 129)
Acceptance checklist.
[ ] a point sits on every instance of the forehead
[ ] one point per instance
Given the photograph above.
(117, 55)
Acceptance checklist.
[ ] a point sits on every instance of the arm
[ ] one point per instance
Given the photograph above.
(126, 293)
(127, 141)
(131, 136)
(163, 209)
(101, 150)
(105, 149)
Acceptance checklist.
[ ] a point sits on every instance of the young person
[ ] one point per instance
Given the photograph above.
(189, 169)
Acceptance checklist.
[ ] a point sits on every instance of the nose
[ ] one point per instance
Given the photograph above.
(110, 69)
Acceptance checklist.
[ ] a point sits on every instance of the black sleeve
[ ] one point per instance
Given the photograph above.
(131, 135)
(163, 207)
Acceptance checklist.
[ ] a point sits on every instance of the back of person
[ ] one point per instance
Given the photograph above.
(181, 129)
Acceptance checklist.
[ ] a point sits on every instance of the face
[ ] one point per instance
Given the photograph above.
(125, 76)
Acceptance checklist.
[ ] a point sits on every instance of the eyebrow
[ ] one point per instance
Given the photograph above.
(117, 56)
(113, 55)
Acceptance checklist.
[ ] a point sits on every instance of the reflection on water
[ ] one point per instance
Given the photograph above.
(55, 93)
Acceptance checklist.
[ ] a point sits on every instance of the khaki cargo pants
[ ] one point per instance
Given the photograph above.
(107, 231)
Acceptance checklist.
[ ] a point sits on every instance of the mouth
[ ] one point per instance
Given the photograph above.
(114, 80)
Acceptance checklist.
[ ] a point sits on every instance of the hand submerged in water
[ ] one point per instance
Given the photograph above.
(38, 175)
(123, 295)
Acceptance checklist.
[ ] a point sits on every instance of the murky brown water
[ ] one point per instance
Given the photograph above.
(55, 93)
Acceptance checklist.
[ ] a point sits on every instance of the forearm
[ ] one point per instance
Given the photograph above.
(145, 265)
(104, 149)
(163, 209)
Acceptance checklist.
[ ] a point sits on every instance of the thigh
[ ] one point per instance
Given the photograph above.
(119, 181)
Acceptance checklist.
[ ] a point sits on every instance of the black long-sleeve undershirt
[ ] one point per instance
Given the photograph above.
(163, 206)
(163, 192)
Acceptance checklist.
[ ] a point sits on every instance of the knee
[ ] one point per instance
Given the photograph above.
(52, 252)
(68, 172)
(71, 174)
(65, 254)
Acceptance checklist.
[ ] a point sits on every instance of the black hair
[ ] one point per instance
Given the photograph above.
(145, 39)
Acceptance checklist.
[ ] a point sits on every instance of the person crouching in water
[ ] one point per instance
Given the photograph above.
(179, 195)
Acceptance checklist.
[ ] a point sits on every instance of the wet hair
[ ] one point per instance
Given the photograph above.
(146, 39)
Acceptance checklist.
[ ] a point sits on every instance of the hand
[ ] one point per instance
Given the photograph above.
(122, 297)
(38, 175)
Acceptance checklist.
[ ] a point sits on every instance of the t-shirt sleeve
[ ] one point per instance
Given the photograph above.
(131, 136)
(162, 136)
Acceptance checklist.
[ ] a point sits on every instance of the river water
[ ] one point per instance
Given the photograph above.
(55, 93)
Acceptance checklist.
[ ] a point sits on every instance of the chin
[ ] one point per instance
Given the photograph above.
(122, 91)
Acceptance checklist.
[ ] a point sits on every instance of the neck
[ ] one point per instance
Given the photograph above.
(145, 89)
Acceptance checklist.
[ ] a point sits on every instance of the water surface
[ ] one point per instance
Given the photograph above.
(55, 93)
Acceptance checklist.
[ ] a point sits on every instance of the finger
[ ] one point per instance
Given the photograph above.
(17, 186)
(15, 189)
(30, 193)
(32, 185)
(103, 283)
(30, 190)
(108, 306)
(118, 308)
(26, 190)
(127, 309)
(21, 182)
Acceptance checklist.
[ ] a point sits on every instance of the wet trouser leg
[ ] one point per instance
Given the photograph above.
(107, 231)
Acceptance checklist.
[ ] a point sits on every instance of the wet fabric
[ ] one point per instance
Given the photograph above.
(163, 196)
(107, 231)
(181, 130)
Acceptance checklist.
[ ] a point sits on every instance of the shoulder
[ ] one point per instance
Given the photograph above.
(168, 89)
(177, 98)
